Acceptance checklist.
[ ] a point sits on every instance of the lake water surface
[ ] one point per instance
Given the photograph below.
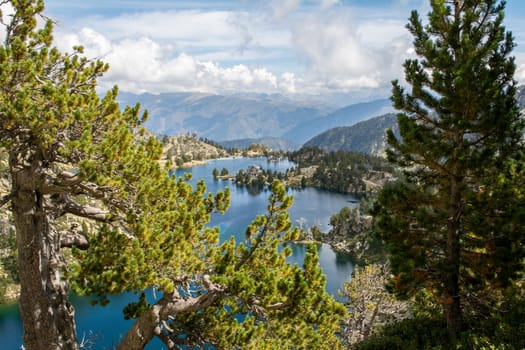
(104, 325)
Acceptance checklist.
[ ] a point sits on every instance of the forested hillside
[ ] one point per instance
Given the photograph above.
(341, 171)
(367, 137)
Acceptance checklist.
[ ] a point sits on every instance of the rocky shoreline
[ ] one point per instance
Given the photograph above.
(352, 234)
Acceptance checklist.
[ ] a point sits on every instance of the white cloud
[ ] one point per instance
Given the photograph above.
(7, 12)
(289, 46)
(286, 50)
(287, 82)
(520, 73)
(333, 51)
(143, 64)
(95, 44)
(188, 29)
(378, 32)
(340, 51)
(215, 35)
(520, 66)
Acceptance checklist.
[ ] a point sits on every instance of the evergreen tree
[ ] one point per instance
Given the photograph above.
(85, 176)
(453, 223)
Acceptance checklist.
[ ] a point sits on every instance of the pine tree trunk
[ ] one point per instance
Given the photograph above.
(452, 304)
(47, 315)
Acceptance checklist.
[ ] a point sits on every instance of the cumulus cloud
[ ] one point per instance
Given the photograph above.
(143, 64)
(185, 26)
(95, 44)
(190, 30)
(339, 51)
(289, 49)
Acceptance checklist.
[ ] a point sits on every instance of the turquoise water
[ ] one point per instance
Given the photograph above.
(105, 325)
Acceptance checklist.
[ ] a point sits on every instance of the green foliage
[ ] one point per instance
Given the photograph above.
(270, 303)
(256, 178)
(409, 334)
(317, 234)
(135, 309)
(170, 242)
(504, 326)
(453, 221)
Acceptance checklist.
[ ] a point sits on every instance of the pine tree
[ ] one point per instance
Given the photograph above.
(86, 176)
(453, 223)
(254, 299)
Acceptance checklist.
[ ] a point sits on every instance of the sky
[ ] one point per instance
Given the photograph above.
(295, 47)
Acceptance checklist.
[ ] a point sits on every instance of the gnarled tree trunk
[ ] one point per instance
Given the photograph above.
(47, 315)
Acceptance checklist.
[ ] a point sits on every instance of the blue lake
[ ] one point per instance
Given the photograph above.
(105, 325)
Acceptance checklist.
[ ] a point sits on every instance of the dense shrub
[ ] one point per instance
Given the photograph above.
(410, 334)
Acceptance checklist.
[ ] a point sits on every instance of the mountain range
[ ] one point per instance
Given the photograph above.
(254, 116)
(278, 122)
